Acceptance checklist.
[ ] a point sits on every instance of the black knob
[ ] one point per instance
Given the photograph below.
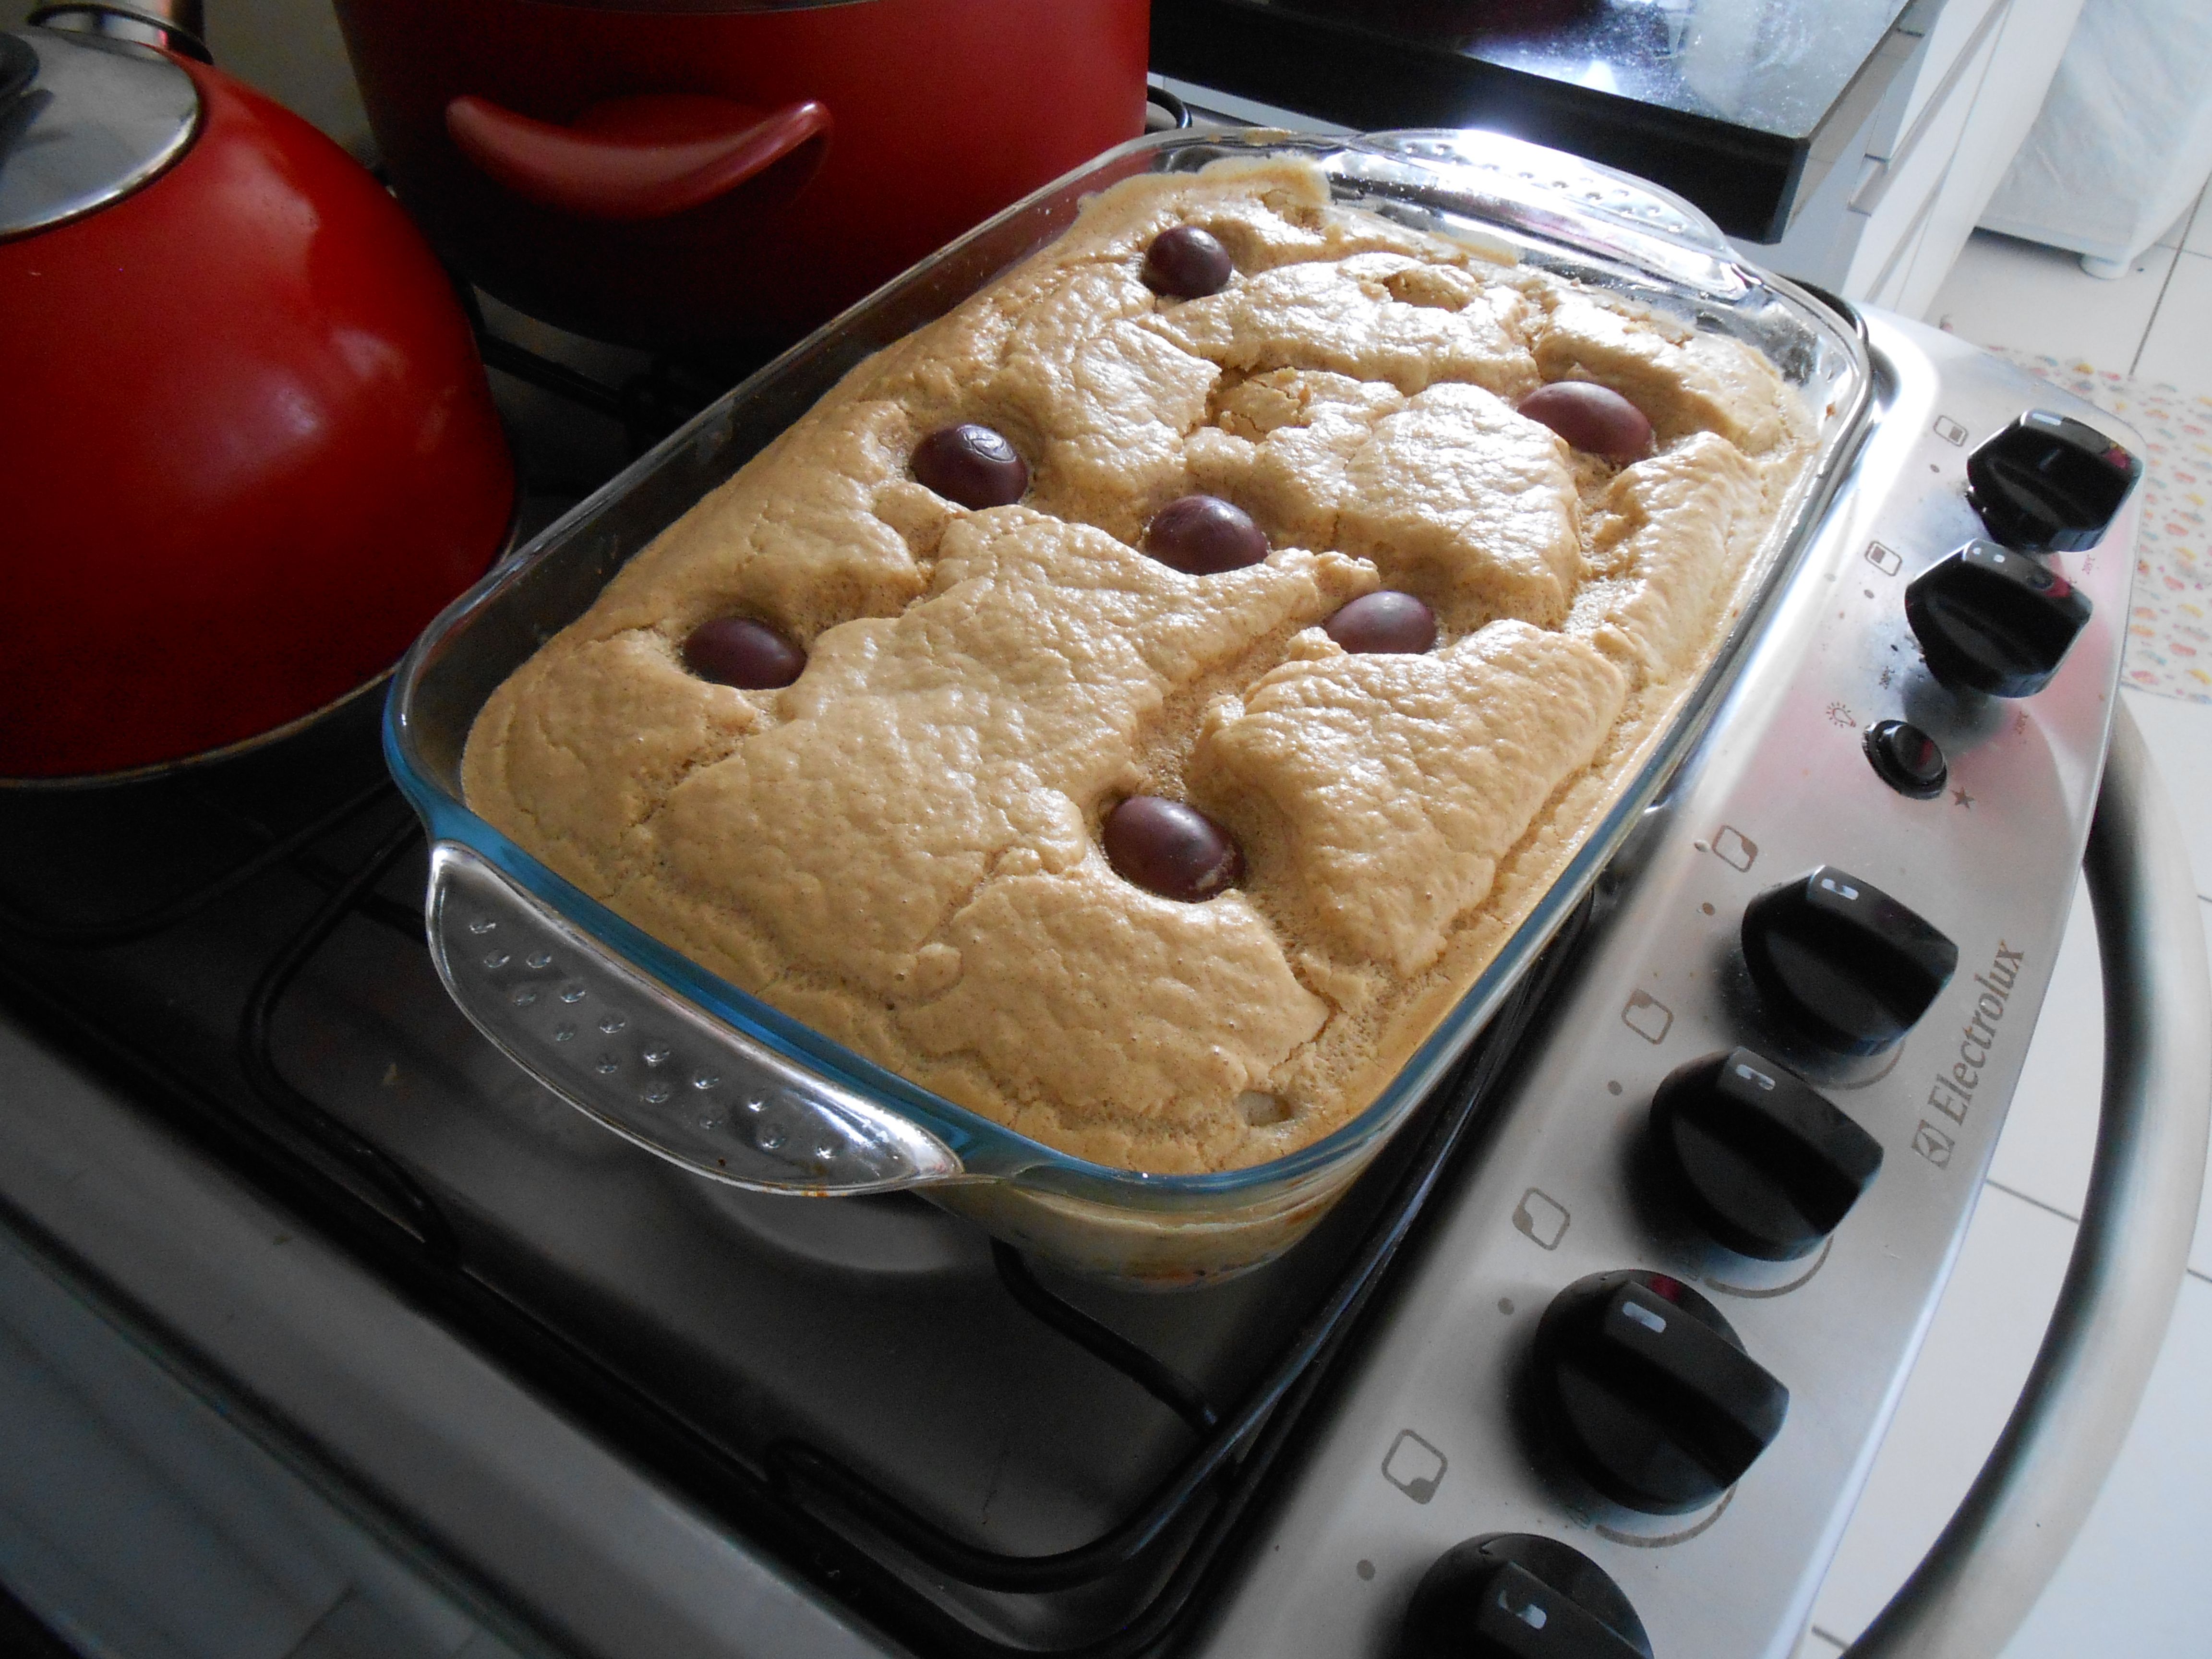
(1907, 759)
(1992, 621)
(2048, 484)
(1515, 1595)
(1649, 1392)
(1769, 1166)
(1843, 961)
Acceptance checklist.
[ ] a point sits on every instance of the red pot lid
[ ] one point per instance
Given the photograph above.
(84, 121)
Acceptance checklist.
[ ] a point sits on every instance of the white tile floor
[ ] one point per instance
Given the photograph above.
(2135, 1583)
(2155, 322)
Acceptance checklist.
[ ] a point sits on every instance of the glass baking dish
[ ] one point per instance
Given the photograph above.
(685, 1064)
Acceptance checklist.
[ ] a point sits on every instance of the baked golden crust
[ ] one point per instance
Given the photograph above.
(902, 848)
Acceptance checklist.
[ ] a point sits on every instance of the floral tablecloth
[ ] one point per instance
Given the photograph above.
(2170, 631)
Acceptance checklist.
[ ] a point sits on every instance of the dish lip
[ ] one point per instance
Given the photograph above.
(1548, 207)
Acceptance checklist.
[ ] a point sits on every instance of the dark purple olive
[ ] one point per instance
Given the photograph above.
(1171, 849)
(972, 465)
(1388, 620)
(1187, 263)
(1204, 536)
(1592, 418)
(740, 652)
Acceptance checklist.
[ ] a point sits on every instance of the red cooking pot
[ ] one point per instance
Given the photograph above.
(249, 448)
(726, 173)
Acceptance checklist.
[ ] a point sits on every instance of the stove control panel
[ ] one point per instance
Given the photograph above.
(1658, 1321)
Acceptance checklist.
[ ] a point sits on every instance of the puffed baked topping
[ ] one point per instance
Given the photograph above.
(1136, 705)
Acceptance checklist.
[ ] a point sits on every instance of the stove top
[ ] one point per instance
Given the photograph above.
(1044, 1462)
(980, 1457)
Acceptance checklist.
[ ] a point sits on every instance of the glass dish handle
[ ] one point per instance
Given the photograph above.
(645, 1062)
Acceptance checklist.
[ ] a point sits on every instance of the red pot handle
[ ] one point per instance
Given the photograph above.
(632, 158)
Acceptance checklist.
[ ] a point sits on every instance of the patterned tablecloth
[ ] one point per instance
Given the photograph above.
(2170, 631)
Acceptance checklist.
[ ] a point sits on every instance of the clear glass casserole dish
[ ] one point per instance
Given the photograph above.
(697, 1071)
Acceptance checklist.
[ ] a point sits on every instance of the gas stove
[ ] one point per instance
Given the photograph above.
(659, 1415)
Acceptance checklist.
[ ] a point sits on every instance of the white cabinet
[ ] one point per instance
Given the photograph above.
(1886, 224)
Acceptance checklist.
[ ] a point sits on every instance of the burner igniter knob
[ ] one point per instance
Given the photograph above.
(1516, 1595)
(1994, 620)
(1648, 1389)
(2048, 484)
(1844, 962)
(1767, 1164)
(1907, 759)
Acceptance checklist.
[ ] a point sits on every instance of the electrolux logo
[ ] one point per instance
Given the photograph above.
(1952, 1095)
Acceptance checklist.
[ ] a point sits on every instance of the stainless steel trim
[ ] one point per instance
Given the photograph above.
(1565, 1186)
(176, 26)
(1976, 1586)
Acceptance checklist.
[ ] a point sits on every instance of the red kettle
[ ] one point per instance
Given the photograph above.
(250, 450)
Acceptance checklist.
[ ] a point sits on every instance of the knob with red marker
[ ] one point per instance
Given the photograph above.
(2048, 483)
(1993, 620)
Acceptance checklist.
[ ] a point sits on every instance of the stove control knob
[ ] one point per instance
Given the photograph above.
(1515, 1595)
(1992, 621)
(1651, 1393)
(2048, 484)
(1907, 759)
(1768, 1166)
(1844, 961)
